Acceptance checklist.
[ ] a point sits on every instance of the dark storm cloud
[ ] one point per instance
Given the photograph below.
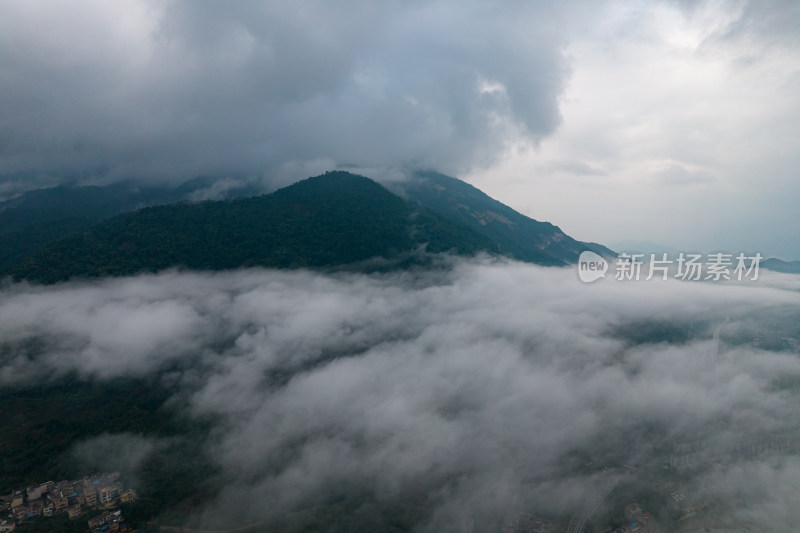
(475, 387)
(174, 89)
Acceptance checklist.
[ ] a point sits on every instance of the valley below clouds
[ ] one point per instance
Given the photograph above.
(430, 399)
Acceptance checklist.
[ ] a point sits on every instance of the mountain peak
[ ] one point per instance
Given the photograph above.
(334, 219)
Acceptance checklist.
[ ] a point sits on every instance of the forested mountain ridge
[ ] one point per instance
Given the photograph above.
(334, 219)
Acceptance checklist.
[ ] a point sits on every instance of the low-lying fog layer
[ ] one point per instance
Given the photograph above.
(469, 394)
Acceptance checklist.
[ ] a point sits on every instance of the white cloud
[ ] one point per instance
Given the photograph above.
(707, 89)
(474, 385)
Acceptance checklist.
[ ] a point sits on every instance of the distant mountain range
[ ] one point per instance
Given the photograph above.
(648, 247)
(331, 220)
(778, 265)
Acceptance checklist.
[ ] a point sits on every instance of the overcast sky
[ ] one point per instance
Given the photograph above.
(676, 122)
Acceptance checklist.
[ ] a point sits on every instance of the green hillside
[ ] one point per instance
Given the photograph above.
(333, 219)
(37, 218)
(515, 234)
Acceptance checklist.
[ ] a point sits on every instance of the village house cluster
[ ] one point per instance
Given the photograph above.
(73, 498)
(111, 521)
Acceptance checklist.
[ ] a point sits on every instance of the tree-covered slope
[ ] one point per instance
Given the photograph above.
(778, 265)
(334, 219)
(515, 234)
(37, 218)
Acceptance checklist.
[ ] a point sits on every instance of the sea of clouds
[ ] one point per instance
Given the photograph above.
(470, 393)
